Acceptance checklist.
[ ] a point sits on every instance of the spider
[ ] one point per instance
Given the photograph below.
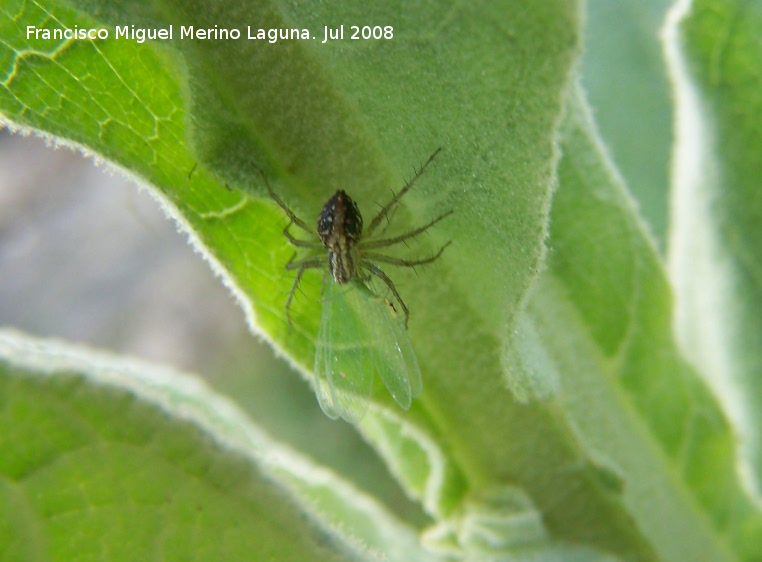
(350, 250)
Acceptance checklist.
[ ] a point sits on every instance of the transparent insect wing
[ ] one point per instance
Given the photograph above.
(343, 362)
(391, 353)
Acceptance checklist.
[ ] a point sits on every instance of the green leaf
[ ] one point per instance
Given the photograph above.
(104, 457)
(558, 419)
(312, 120)
(716, 245)
(648, 429)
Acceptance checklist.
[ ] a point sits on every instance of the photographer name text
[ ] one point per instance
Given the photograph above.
(190, 32)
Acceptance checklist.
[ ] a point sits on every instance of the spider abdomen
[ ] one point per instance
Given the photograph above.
(340, 229)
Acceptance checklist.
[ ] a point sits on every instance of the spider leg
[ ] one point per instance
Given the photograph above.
(403, 262)
(300, 266)
(313, 244)
(375, 270)
(389, 220)
(294, 219)
(383, 243)
(383, 212)
(312, 262)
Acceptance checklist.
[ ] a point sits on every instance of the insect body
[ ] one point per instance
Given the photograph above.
(360, 332)
(359, 338)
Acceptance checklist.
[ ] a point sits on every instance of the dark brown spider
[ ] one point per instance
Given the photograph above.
(350, 250)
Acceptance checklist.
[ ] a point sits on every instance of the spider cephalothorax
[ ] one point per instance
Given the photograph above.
(340, 230)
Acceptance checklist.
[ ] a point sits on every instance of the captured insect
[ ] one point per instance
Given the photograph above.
(361, 333)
